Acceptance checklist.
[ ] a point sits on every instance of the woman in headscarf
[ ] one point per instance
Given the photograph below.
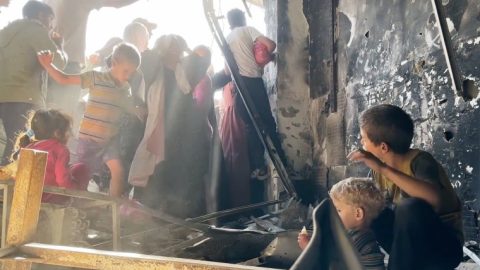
(160, 170)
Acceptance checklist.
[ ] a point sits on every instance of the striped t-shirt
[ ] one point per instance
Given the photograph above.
(366, 244)
(105, 106)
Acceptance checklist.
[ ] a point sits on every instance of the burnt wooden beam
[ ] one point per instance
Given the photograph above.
(321, 18)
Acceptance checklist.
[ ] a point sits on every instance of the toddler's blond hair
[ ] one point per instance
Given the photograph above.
(362, 193)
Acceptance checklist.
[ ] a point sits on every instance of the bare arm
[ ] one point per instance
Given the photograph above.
(412, 186)
(270, 44)
(117, 3)
(45, 59)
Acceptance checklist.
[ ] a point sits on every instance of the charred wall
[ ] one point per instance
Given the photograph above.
(385, 51)
(287, 82)
(393, 54)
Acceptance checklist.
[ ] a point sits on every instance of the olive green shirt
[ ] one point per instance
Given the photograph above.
(21, 75)
(422, 165)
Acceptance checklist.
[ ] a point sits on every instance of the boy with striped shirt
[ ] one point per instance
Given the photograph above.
(109, 97)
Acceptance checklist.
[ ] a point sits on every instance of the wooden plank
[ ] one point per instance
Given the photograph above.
(7, 186)
(106, 260)
(7, 200)
(27, 197)
(26, 202)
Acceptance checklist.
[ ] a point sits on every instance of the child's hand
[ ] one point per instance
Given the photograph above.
(367, 158)
(45, 58)
(303, 240)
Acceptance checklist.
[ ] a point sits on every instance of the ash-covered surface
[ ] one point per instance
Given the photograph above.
(270, 240)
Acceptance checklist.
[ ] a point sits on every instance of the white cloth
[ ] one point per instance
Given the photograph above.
(141, 90)
(241, 41)
(144, 161)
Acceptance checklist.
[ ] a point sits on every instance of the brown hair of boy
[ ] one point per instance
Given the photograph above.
(388, 124)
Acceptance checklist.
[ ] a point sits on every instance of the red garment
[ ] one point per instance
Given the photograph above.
(58, 173)
(235, 151)
(261, 53)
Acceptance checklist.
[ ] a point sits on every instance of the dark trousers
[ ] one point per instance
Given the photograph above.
(258, 93)
(416, 238)
(14, 116)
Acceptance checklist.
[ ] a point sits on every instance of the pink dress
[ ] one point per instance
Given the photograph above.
(58, 172)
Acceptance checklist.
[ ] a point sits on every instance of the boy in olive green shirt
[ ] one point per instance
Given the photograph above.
(22, 79)
(423, 228)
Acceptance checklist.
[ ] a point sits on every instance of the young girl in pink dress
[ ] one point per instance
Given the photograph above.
(48, 130)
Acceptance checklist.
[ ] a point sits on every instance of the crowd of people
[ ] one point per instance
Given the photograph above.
(149, 118)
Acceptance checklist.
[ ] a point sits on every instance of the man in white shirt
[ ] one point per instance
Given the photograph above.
(241, 41)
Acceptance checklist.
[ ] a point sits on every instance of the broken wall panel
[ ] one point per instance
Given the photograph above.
(328, 106)
(320, 18)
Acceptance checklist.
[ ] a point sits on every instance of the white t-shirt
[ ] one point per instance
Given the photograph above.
(241, 41)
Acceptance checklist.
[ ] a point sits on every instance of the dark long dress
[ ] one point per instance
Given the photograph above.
(177, 185)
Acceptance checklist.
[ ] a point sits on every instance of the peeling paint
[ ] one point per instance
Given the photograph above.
(389, 52)
(289, 112)
(292, 95)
